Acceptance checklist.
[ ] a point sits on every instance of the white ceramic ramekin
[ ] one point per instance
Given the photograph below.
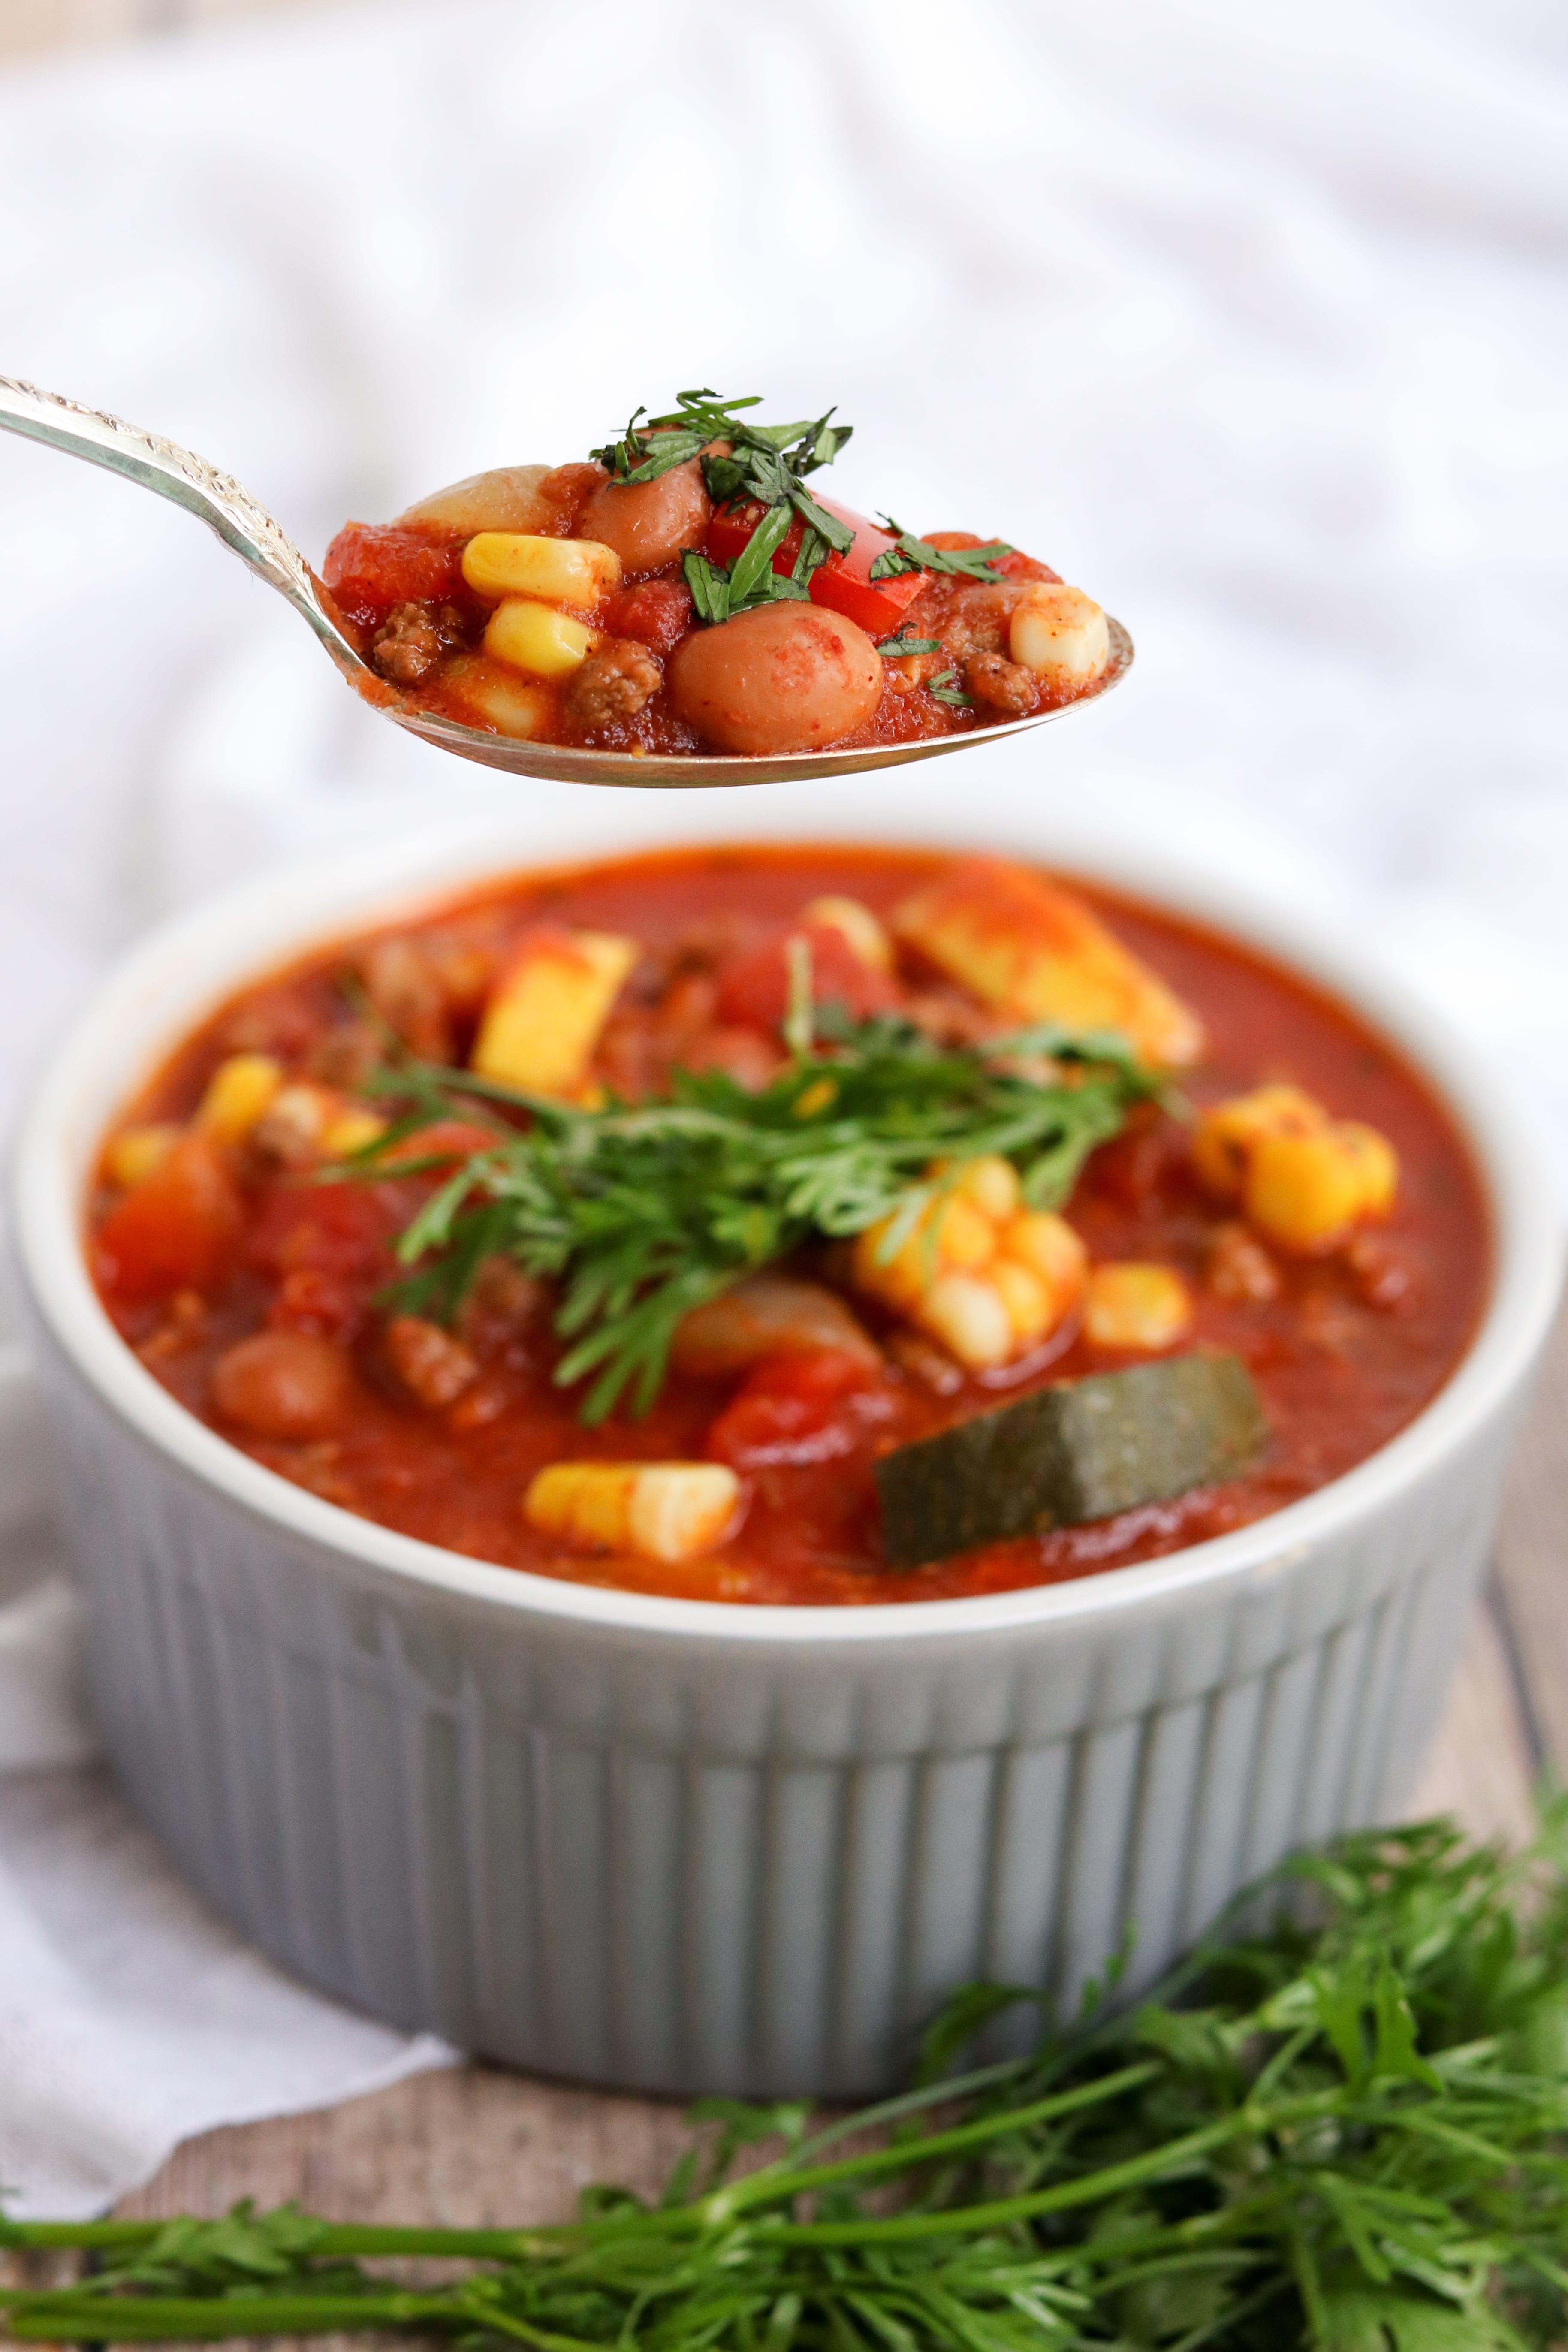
(685, 1846)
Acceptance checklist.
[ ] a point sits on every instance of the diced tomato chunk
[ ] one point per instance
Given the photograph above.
(1014, 566)
(755, 987)
(878, 609)
(340, 1230)
(1019, 566)
(179, 1229)
(324, 1306)
(657, 613)
(842, 584)
(797, 1409)
(370, 567)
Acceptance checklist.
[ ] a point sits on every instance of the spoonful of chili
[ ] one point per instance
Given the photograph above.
(680, 608)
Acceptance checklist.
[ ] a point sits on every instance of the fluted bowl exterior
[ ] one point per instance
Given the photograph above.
(686, 1847)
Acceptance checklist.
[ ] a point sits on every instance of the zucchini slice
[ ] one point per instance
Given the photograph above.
(1078, 1449)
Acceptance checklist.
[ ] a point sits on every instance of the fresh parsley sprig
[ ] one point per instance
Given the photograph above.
(1351, 2136)
(766, 463)
(652, 445)
(912, 554)
(641, 1212)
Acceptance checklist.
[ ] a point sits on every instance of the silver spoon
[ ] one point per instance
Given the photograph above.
(249, 531)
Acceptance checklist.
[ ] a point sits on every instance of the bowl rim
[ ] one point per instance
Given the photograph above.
(191, 962)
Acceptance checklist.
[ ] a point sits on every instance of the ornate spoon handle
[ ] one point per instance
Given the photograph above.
(158, 465)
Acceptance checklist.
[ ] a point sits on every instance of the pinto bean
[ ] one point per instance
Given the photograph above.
(282, 1384)
(783, 677)
(507, 499)
(649, 523)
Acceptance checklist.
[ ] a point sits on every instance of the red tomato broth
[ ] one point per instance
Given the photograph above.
(1338, 1374)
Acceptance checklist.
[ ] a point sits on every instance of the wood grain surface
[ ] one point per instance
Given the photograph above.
(476, 2145)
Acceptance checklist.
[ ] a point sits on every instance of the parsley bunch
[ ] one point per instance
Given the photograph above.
(1347, 2137)
(642, 1212)
(768, 464)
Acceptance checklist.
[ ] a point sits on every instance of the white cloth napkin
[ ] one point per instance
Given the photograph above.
(1250, 319)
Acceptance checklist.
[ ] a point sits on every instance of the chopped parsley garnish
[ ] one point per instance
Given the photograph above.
(768, 464)
(642, 1211)
(912, 554)
(945, 687)
(899, 643)
(719, 594)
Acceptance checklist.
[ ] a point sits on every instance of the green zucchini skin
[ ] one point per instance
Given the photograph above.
(1078, 1449)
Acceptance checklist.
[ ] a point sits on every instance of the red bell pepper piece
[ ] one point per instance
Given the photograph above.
(842, 584)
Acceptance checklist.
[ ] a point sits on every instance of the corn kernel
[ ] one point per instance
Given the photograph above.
(1130, 1306)
(682, 1509)
(658, 1511)
(821, 1094)
(561, 571)
(1031, 1309)
(135, 1151)
(857, 925)
(493, 694)
(585, 1503)
(950, 1235)
(991, 1183)
(898, 1279)
(1378, 1161)
(1060, 634)
(1225, 1136)
(966, 1237)
(1305, 1191)
(544, 1016)
(349, 1132)
(537, 637)
(238, 1092)
(1048, 1245)
(967, 1313)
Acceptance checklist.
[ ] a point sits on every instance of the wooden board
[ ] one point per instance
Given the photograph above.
(477, 2146)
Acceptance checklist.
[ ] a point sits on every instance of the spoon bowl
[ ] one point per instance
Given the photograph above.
(247, 531)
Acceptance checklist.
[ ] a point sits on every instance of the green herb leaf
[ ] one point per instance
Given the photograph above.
(812, 551)
(912, 554)
(840, 536)
(756, 559)
(945, 688)
(1197, 2173)
(709, 584)
(645, 452)
(901, 642)
(641, 1212)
